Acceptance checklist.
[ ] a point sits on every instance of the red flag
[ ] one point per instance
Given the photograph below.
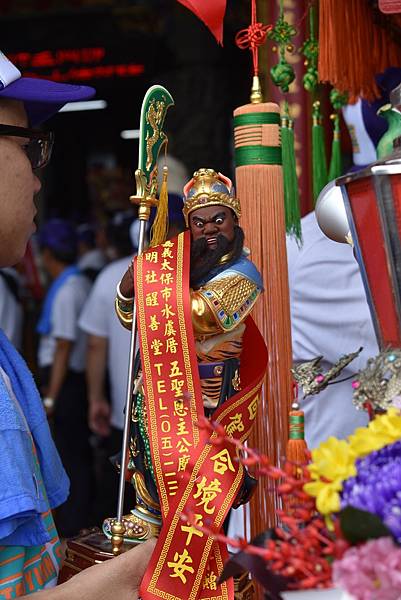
(211, 12)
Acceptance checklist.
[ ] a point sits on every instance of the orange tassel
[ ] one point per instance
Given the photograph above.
(296, 446)
(259, 180)
(353, 48)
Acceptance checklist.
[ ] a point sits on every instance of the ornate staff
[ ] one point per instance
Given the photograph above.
(154, 108)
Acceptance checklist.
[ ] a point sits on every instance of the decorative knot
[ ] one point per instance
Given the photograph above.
(252, 36)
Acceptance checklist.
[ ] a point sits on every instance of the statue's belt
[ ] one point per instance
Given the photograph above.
(211, 370)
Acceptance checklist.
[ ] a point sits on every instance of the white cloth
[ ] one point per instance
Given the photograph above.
(330, 317)
(93, 259)
(99, 318)
(66, 310)
(363, 148)
(8, 71)
(11, 313)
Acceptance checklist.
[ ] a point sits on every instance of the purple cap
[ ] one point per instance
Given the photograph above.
(58, 235)
(42, 98)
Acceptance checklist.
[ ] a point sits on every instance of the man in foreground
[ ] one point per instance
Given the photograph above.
(32, 479)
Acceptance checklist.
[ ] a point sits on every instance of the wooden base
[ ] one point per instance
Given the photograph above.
(89, 548)
(92, 547)
(244, 588)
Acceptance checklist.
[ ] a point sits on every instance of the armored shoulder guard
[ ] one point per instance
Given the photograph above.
(230, 298)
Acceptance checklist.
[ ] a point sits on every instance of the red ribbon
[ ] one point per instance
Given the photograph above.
(252, 37)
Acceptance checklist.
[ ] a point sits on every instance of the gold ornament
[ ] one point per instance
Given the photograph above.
(379, 384)
(310, 377)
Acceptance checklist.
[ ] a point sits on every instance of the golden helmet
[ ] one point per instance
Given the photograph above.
(208, 188)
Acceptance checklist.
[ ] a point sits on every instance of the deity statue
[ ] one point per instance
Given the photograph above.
(194, 295)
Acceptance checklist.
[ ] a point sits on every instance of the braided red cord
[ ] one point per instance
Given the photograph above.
(252, 37)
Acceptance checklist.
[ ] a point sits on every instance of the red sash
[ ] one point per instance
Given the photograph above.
(192, 475)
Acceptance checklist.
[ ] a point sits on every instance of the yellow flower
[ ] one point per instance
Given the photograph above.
(326, 494)
(383, 430)
(332, 462)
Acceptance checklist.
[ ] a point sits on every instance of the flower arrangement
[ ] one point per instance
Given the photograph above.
(340, 520)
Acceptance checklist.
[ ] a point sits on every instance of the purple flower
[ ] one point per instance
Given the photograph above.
(377, 486)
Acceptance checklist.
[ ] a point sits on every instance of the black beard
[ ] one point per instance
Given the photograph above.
(204, 258)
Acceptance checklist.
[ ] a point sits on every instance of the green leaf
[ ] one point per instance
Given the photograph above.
(360, 525)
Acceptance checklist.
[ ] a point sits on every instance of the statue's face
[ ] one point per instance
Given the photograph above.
(210, 221)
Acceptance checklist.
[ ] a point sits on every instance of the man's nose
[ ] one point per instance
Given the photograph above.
(210, 227)
(37, 184)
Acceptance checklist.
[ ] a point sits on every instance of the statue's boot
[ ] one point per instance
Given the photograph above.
(143, 522)
(139, 526)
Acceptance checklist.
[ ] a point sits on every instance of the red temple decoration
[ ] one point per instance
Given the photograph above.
(373, 203)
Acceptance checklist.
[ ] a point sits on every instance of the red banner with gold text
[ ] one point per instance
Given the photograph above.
(193, 476)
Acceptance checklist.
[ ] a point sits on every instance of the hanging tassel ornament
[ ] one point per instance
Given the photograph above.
(251, 38)
(355, 43)
(158, 233)
(259, 182)
(337, 100)
(291, 193)
(296, 451)
(283, 75)
(310, 49)
(335, 168)
(319, 161)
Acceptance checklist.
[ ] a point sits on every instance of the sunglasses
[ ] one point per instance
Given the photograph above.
(38, 147)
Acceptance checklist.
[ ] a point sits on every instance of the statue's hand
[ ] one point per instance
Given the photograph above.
(127, 283)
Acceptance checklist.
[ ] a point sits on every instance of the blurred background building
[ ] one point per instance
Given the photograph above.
(122, 47)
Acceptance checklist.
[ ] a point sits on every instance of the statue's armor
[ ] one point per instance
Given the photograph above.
(219, 307)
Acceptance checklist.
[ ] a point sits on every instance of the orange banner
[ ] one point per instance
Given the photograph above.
(193, 475)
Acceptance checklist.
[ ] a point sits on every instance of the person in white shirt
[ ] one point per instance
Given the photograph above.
(61, 358)
(91, 259)
(330, 317)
